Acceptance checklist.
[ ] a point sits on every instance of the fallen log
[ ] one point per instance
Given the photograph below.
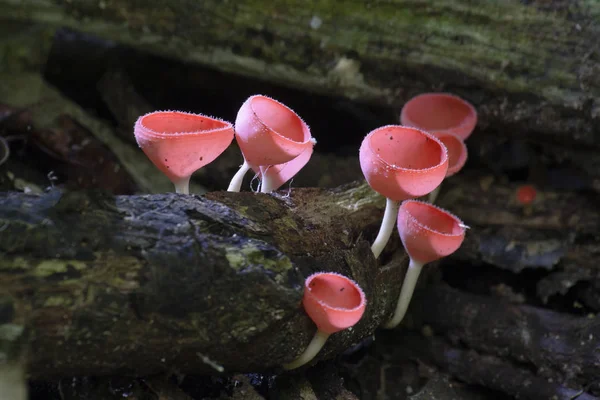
(144, 284)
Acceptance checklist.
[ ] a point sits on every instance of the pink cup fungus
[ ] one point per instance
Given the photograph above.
(457, 157)
(457, 152)
(334, 303)
(274, 176)
(440, 112)
(400, 163)
(180, 143)
(428, 233)
(268, 133)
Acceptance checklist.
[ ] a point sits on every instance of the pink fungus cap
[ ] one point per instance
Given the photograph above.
(457, 151)
(270, 133)
(440, 112)
(333, 301)
(428, 232)
(400, 162)
(179, 143)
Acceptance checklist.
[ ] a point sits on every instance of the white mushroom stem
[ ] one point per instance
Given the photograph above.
(315, 345)
(238, 178)
(183, 186)
(408, 288)
(387, 226)
(266, 183)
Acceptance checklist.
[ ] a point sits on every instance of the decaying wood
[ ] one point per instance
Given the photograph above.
(143, 284)
(558, 347)
(530, 68)
(45, 105)
(558, 233)
(490, 371)
(440, 387)
(125, 104)
(150, 283)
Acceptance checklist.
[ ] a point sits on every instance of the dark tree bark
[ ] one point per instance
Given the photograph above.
(154, 283)
(558, 233)
(490, 371)
(559, 347)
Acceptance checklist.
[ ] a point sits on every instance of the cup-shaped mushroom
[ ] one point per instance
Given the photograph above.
(274, 176)
(428, 232)
(333, 301)
(457, 151)
(270, 133)
(179, 143)
(401, 162)
(440, 112)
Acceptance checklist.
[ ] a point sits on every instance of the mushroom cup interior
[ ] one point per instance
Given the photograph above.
(173, 122)
(280, 119)
(433, 218)
(335, 291)
(437, 112)
(407, 148)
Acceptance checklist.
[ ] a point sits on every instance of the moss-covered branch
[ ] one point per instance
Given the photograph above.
(143, 284)
(151, 283)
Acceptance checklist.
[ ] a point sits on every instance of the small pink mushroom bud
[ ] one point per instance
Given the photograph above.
(180, 143)
(334, 303)
(268, 133)
(526, 194)
(457, 157)
(428, 233)
(440, 112)
(401, 163)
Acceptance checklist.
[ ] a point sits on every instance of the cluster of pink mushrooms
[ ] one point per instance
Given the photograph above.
(401, 162)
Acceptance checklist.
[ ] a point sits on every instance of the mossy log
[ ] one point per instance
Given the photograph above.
(531, 68)
(144, 284)
(97, 284)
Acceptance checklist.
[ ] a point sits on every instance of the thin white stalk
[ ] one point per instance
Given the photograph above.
(408, 287)
(238, 178)
(387, 226)
(434, 195)
(266, 183)
(315, 345)
(183, 186)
